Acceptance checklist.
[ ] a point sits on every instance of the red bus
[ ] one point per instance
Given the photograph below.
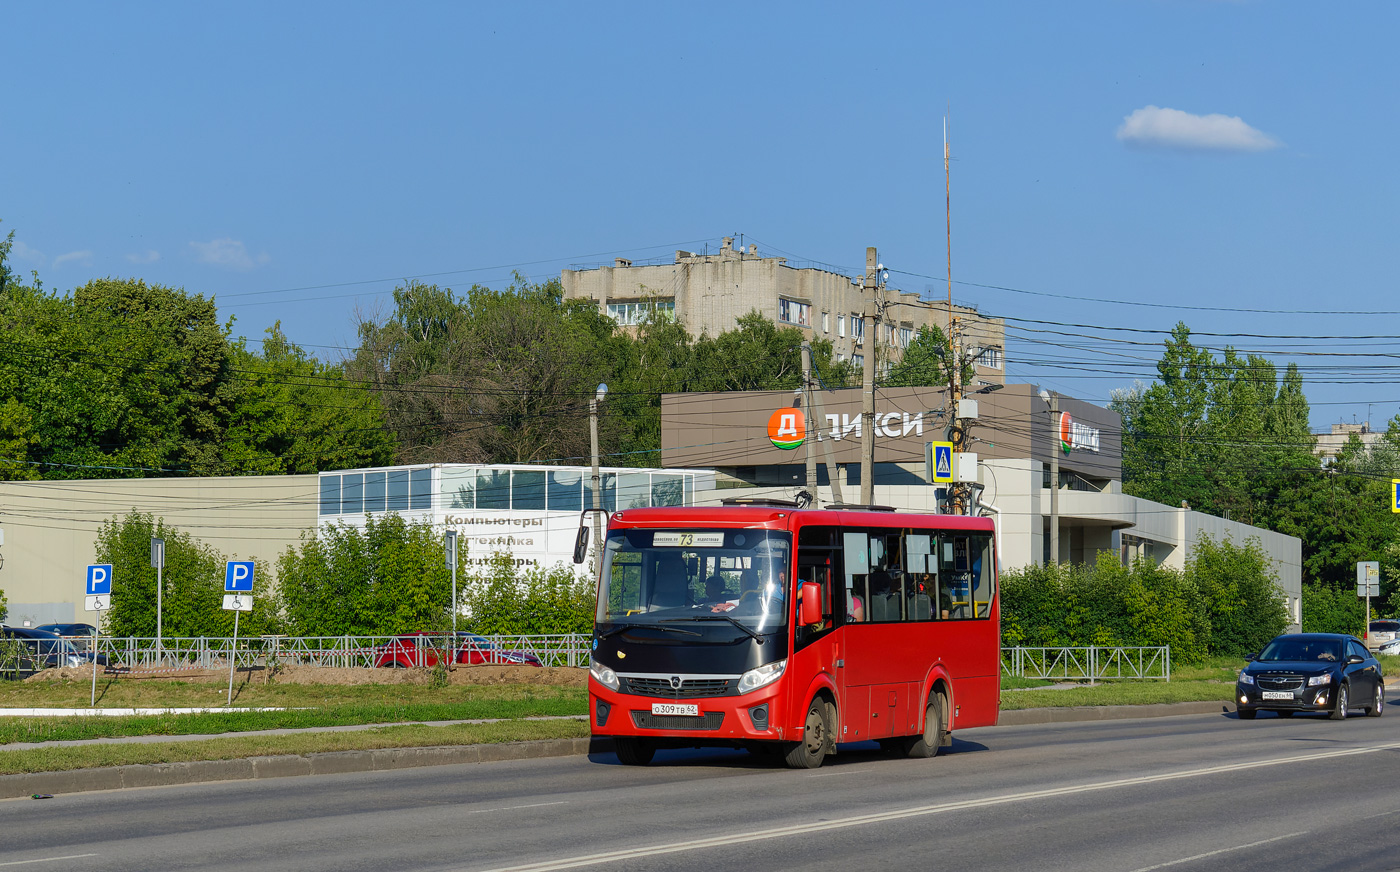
(788, 631)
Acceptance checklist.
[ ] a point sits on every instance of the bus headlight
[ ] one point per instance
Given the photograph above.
(605, 676)
(763, 675)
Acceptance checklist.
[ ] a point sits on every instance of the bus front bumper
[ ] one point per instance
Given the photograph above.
(754, 717)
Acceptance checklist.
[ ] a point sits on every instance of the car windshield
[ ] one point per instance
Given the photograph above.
(730, 581)
(1328, 650)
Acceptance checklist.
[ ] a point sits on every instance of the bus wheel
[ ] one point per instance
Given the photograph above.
(808, 753)
(633, 752)
(927, 743)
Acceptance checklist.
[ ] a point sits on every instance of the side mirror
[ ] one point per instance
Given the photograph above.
(1249, 658)
(581, 543)
(1355, 658)
(810, 611)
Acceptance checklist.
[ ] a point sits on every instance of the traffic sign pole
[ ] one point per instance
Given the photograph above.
(238, 580)
(233, 656)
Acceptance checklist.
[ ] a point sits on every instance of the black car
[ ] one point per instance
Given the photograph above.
(68, 630)
(1311, 672)
(39, 649)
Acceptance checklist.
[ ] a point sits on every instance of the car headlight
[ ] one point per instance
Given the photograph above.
(1315, 680)
(1246, 678)
(763, 675)
(605, 675)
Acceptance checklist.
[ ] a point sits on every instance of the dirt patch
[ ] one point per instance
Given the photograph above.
(478, 675)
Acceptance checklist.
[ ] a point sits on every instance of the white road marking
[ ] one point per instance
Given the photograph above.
(46, 859)
(515, 807)
(1221, 851)
(920, 811)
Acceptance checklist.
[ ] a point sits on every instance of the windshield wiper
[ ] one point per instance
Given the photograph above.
(629, 625)
(722, 617)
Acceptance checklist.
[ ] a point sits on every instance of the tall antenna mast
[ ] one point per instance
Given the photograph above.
(948, 217)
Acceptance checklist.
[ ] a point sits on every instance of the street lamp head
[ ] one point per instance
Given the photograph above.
(1043, 394)
(602, 392)
(988, 389)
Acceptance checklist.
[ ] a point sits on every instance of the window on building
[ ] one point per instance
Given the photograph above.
(793, 312)
(632, 314)
(858, 360)
(841, 326)
(857, 328)
(826, 322)
(990, 357)
(906, 336)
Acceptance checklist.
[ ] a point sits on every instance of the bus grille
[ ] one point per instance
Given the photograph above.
(649, 721)
(690, 687)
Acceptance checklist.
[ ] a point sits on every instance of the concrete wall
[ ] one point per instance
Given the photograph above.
(51, 528)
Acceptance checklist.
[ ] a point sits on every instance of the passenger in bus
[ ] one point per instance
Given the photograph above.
(883, 606)
(855, 608)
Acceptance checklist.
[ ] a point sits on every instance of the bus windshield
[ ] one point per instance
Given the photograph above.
(673, 579)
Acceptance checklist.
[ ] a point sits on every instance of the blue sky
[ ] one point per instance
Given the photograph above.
(298, 159)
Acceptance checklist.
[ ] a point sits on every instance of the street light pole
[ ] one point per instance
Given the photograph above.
(597, 480)
(1054, 402)
(158, 561)
(451, 542)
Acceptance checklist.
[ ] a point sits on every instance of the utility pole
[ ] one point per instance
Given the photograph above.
(958, 431)
(872, 340)
(833, 472)
(597, 479)
(812, 428)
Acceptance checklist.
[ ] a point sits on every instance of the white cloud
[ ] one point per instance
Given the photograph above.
(231, 253)
(83, 257)
(20, 251)
(150, 256)
(1154, 127)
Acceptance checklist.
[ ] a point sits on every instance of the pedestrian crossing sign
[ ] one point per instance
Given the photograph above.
(1395, 494)
(938, 462)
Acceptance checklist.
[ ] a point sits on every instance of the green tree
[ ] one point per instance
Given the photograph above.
(926, 362)
(294, 414)
(1327, 609)
(389, 577)
(193, 579)
(1243, 603)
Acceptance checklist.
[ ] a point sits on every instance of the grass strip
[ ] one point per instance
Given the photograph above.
(411, 736)
(50, 729)
(129, 693)
(1120, 693)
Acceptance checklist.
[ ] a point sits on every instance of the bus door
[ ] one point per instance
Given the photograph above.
(814, 647)
(865, 713)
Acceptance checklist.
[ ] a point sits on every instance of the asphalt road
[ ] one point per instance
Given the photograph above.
(1182, 793)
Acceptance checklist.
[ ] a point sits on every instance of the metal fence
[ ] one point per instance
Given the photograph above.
(347, 652)
(1090, 663)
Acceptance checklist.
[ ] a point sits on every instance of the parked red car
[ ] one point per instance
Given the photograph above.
(426, 649)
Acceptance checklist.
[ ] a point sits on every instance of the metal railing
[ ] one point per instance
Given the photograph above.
(346, 652)
(1090, 663)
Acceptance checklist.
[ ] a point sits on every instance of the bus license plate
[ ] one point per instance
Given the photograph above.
(1276, 694)
(675, 708)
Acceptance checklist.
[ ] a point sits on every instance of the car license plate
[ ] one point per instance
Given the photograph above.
(1276, 694)
(675, 708)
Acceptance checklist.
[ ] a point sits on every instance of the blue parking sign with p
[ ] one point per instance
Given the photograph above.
(238, 578)
(99, 579)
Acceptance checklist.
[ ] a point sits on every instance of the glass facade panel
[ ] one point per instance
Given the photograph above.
(398, 491)
(492, 489)
(633, 490)
(667, 490)
(420, 489)
(352, 493)
(526, 489)
(374, 492)
(458, 488)
(330, 494)
(566, 490)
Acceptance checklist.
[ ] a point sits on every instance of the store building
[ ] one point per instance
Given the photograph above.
(1013, 437)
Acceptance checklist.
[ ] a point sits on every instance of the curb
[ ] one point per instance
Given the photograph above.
(1070, 714)
(282, 766)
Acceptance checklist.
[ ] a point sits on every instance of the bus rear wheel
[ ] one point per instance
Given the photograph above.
(816, 732)
(633, 752)
(927, 743)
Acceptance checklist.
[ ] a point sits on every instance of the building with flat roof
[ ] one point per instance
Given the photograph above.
(709, 293)
(531, 512)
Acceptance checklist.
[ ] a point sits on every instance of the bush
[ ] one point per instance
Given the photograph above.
(1329, 610)
(1241, 595)
(4, 607)
(193, 578)
(389, 577)
(537, 601)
